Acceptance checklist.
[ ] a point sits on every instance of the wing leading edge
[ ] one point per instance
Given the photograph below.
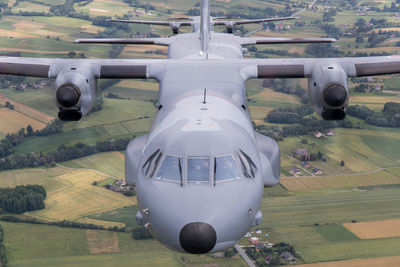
(153, 68)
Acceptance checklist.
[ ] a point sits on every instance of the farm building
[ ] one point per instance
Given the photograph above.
(301, 153)
(316, 171)
(318, 134)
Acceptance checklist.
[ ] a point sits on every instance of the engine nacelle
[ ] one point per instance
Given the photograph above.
(75, 93)
(328, 91)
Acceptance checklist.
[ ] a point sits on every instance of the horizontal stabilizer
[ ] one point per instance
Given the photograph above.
(276, 40)
(139, 41)
(175, 25)
(250, 21)
(153, 22)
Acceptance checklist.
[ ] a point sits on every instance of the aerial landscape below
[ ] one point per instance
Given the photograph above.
(64, 197)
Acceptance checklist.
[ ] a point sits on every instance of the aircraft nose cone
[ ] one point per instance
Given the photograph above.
(198, 237)
(335, 96)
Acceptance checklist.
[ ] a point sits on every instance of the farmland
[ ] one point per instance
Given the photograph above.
(375, 229)
(78, 197)
(26, 245)
(313, 213)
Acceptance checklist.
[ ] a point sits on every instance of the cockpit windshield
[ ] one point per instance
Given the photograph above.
(225, 168)
(198, 170)
(171, 169)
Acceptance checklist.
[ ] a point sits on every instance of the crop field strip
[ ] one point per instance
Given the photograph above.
(315, 202)
(330, 182)
(79, 198)
(369, 262)
(375, 229)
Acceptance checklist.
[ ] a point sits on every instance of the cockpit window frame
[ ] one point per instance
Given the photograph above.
(215, 168)
(181, 161)
(146, 168)
(249, 168)
(186, 178)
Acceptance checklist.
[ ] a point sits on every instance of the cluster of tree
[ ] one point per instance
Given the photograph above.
(331, 31)
(11, 140)
(287, 86)
(373, 54)
(272, 254)
(264, 53)
(329, 14)
(114, 96)
(306, 125)
(362, 88)
(136, 3)
(157, 52)
(9, 105)
(63, 153)
(289, 115)
(3, 258)
(393, 7)
(64, 223)
(97, 105)
(22, 198)
(129, 193)
(7, 80)
(141, 233)
(104, 84)
(322, 50)
(230, 252)
(388, 117)
(63, 9)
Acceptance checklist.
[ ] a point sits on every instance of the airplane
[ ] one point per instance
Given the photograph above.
(201, 170)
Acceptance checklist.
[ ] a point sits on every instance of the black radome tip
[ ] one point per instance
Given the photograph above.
(198, 238)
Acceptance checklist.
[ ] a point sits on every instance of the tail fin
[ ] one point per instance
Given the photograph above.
(205, 25)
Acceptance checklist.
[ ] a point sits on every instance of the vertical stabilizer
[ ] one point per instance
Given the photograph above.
(205, 27)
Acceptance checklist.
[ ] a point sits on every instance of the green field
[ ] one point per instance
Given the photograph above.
(335, 232)
(69, 247)
(293, 219)
(309, 216)
(110, 163)
(126, 215)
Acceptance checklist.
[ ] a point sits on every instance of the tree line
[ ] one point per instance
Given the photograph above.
(388, 117)
(3, 258)
(11, 140)
(301, 123)
(22, 198)
(64, 223)
(62, 153)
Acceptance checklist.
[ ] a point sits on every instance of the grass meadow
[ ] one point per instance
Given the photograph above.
(307, 212)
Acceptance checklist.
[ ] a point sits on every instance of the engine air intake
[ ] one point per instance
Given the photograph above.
(335, 96)
(68, 95)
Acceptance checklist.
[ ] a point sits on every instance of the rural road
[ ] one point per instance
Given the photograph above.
(244, 256)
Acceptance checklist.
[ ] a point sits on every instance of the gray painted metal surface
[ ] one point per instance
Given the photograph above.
(203, 126)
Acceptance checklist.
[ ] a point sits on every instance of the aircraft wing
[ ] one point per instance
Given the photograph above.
(153, 22)
(303, 67)
(151, 68)
(100, 68)
(250, 21)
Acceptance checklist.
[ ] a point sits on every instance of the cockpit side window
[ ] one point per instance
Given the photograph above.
(171, 169)
(248, 166)
(225, 168)
(151, 163)
(198, 170)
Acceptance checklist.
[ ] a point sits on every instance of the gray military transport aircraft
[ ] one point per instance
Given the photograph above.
(201, 169)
